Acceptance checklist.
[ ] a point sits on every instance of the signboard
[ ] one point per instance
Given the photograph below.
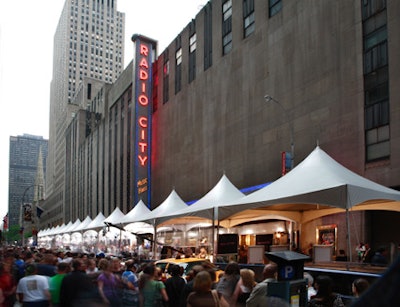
(265, 240)
(228, 243)
(145, 50)
(286, 165)
(255, 254)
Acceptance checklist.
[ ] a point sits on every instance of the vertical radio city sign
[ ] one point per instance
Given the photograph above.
(145, 50)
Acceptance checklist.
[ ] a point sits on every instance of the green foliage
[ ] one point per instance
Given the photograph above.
(13, 234)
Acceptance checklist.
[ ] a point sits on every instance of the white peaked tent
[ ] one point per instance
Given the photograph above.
(84, 224)
(171, 204)
(115, 217)
(318, 182)
(53, 231)
(62, 229)
(223, 192)
(73, 226)
(97, 223)
(137, 212)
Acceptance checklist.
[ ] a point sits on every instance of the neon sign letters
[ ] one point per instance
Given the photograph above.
(142, 79)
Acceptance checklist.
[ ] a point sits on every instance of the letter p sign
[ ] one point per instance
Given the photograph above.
(287, 272)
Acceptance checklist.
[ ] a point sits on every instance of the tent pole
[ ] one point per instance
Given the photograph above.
(213, 235)
(348, 236)
(155, 240)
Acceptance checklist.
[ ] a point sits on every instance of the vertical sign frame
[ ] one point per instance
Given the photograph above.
(144, 56)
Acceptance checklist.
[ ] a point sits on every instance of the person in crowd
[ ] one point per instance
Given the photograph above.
(29, 258)
(91, 267)
(367, 255)
(227, 283)
(203, 295)
(60, 256)
(244, 287)
(77, 288)
(116, 266)
(325, 295)
(359, 286)
(7, 285)
(33, 289)
(188, 288)
(152, 293)
(47, 266)
(130, 293)
(258, 297)
(20, 266)
(159, 274)
(310, 285)
(55, 282)
(174, 284)
(360, 249)
(379, 257)
(109, 286)
(203, 253)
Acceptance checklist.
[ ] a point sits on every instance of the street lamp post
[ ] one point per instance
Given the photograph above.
(22, 209)
(269, 98)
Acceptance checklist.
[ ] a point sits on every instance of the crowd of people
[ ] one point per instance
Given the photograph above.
(36, 278)
(366, 255)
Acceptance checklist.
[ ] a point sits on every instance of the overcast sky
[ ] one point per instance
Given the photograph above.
(27, 28)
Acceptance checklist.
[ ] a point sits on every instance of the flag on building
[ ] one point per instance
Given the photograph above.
(39, 211)
(27, 212)
(5, 222)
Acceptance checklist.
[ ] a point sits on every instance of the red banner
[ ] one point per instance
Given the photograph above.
(5, 222)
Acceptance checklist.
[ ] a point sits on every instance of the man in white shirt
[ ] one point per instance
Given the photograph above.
(33, 289)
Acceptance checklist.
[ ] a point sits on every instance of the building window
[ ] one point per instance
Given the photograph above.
(227, 27)
(248, 17)
(274, 6)
(178, 64)
(207, 36)
(166, 77)
(192, 51)
(376, 80)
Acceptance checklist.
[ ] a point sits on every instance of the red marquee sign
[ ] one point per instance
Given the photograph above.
(145, 50)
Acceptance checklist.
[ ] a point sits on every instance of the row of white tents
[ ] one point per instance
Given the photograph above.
(317, 186)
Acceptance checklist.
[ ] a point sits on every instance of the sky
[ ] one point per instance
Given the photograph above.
(27, 29)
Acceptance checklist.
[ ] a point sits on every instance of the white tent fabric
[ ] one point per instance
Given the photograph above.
(115, 217)
(171, 204)
(63, 227)
(98, 222)
(223, 192)
(318, 180)
(84, 223)
(73, 226)
(138, 211)
(53, 231)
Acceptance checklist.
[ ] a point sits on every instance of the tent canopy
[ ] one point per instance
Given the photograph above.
(115, 217)
(223, 192)
(136, 213)
(84, 223)
(97, 223)
(316, 183)
(171, 204)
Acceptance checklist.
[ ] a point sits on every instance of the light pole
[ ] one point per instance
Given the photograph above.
(22, 214)
(269, 98)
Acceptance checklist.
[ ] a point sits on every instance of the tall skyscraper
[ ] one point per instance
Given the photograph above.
(28, 155)
(88, 43)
